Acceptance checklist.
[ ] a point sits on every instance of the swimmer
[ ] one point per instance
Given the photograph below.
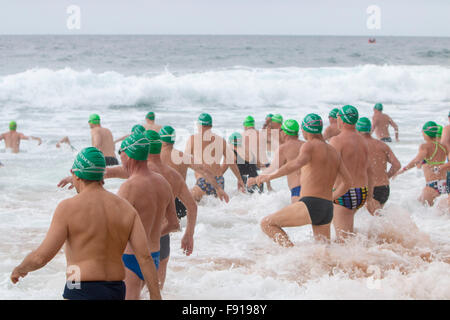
(332, 130)
(275, 127)
(102, 139)
(320, 164)
(287, 151)
(150, 122)
(246, 162)
(379, 156)
(181, 162)
(208, 149)
(381, 123)
(430, 158)
(354, 153)
(96, 226)
(13, 138)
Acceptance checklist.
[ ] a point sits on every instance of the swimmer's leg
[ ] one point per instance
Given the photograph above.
(428, 195)
(133, 284)
(343, 220)
(293, 215)
(162, 271)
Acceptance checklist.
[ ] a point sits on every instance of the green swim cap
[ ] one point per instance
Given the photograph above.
(349, 114)
(167, 134)
(290, 127)
(312, 123)
(333, 113)
(271, 115)
(235, 139)
(364, 125)
(378, 106)
(136, 147)
(430, 129)
(249, 122)
(155, 141)
(138, 129)
(205, 119)
(150, 115)
(94, 118)
(89, 164)
(439, 133)
(12, 125)
(277, 118)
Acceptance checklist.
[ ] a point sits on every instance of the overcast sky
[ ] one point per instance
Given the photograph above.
(288, 17)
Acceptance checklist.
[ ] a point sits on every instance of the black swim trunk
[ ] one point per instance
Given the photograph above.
(95, 290)
(381, 194)
(320, 210)
(387, 139)
(111, 161)
(180, 208)
(164, 247)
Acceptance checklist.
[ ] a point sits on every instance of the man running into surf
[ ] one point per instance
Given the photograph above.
(102, 139)
(287, 151)
(13, 138)
(379, 156)
(96, 227)
(320, 165)
(381, 123)
(208, 149)
(354, 153)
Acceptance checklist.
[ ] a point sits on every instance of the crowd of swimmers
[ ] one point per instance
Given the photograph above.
(117, 243)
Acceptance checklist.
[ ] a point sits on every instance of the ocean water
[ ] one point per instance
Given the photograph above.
(50, 85)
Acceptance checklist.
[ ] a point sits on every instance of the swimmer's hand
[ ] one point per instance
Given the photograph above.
(263, 178)
(66, 181)
(372, 206)
(223, 195)
(187, 244)
(251, 181)
(16, 274)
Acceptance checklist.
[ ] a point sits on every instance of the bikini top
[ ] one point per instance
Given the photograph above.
(431, 163)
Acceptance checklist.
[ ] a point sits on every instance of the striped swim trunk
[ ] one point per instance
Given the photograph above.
(353, 199)
(208, 188)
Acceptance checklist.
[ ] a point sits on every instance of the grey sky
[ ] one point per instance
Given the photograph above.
(290, 17)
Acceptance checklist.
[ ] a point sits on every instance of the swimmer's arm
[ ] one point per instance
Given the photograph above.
(24, 137)
(374, 126)
(277, 160)
(395, 163)
(230, 159)
(417, 160)
(138, 242)
(395, 126)
(116, 172)
(302, 159)
(121, 139)
(2, 136)
(96, 139)
(346, 180)
(171, 223)
(54, 240)
(187, 242)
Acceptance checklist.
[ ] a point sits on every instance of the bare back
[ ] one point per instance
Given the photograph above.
(378, 159)
(207, 150)
(319, 174)
(99, 226)
(381, 123)
(12, 140)
(150, 195)
(331, 131)
(102, 139)
(354, 153)
(251, 144)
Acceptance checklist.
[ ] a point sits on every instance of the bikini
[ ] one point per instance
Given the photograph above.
(441, 186)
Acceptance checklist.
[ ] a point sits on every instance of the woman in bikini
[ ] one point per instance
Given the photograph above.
(432, 154)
